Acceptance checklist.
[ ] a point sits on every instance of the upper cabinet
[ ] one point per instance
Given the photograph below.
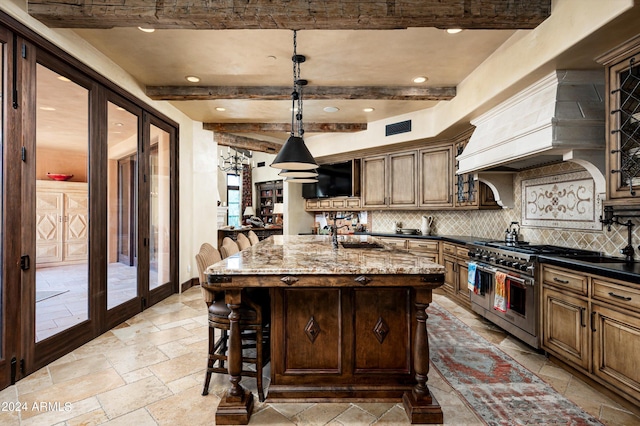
(436, 173)
(423, 179)
(623, 121)
(389, 181)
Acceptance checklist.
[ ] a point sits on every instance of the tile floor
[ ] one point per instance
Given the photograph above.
(70, 306)
(150, 370)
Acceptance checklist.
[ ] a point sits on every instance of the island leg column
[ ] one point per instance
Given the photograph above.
(420, 405)
(236, 405)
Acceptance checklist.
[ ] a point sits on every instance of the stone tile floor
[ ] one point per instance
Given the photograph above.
(150, 371)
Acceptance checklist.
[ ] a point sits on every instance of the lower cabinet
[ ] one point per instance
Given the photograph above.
(565, 330)
(454, 259)
(593, 324)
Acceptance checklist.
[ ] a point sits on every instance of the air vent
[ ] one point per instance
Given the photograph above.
(261, 164)
(397, 128)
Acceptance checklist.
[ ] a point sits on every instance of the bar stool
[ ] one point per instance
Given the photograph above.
(254, 325)
(253, 238)
(243, 241)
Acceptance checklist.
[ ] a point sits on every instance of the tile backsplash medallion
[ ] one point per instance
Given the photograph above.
(493, 223)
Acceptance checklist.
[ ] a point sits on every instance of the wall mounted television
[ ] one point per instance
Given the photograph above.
(334, 180)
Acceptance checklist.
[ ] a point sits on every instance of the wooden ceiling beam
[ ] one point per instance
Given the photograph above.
(293, 14)
(273, 93)
(284, 127)
(243, 142)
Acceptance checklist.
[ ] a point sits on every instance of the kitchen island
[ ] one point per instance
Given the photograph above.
(347, 323)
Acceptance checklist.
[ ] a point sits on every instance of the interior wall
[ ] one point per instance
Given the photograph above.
(60, 161)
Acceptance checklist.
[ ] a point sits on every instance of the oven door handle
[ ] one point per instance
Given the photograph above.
(484, 268)
(522, 281)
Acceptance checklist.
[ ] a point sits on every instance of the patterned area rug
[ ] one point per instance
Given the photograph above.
(499, 389)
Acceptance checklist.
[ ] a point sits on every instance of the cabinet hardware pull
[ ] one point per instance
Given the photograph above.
(288, 280)
(362, 280)
(558, 280)
(617, 296)
(593, 321)
(582, 324)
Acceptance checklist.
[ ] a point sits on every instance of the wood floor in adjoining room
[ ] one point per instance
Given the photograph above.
(150, 371)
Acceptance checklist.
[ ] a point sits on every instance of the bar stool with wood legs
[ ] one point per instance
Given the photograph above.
(254, 325)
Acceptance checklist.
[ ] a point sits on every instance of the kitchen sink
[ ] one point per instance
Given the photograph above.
(360, 245)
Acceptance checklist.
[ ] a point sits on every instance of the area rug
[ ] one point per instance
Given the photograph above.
(48, 294)
(498, 389)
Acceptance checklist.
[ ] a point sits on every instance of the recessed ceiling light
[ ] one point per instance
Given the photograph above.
(221, 109)
(454, 30)
(368, 109)
(420, 79)
(146, 30)
(118, 124)
(331, 109)
(63, 78)
(193, 78)
(46, 108)
(271, 57)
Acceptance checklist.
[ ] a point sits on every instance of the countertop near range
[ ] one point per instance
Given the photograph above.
(458, 239)
(618, 270)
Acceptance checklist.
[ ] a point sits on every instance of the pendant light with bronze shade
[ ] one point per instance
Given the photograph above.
(294, 154)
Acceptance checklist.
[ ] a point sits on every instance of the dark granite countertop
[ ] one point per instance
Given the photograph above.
(458, 239)
(622, 271)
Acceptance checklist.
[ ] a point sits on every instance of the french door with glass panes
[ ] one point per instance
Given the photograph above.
(88, 222)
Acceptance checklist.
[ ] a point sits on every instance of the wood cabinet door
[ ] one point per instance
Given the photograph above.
(449, 272)
(49, 226)
(616, 343)
(461, 288)
(623, 137)
(76, 226)
(436, 174)
(374, 181)
(565, 331)
(382, 331)
(402, 184)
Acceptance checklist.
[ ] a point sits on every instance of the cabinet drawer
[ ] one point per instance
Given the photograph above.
(400, 243)
(324, 203)
(448, 248)
(564, 279)
(462, 252)
(621, 295)
(423, 245)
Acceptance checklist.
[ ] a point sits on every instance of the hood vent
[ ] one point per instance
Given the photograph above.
(560, 117)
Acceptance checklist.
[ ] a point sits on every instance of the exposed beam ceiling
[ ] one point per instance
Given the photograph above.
(284, 127)
(293, 14)
(200, 93)
(249, 144)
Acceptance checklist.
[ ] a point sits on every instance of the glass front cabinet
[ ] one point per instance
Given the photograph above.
(623, 120)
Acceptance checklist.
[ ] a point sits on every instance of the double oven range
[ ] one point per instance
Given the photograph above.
(518, 261)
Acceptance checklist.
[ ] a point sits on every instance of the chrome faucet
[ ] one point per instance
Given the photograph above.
(334, 228)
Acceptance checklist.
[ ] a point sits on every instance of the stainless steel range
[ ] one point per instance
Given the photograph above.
(516, 265)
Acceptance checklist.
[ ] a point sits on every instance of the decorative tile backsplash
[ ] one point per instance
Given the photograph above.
(561, 201)
(493, 223)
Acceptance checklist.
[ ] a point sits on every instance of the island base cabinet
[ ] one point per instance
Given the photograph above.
(616, 348)
(330, 344)
(565, 332)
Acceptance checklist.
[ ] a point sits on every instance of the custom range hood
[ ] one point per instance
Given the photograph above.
(559, 118)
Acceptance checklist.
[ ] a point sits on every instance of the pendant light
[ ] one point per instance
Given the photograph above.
(294, 154)
(299, 173)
